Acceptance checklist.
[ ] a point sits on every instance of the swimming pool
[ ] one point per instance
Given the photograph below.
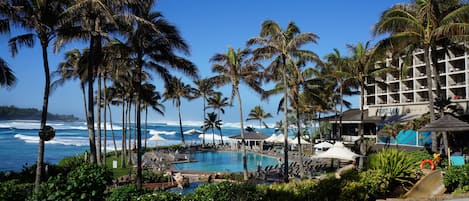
(225, 162)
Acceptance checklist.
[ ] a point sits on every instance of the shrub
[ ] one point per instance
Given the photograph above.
(126, 193)
(395, 165)
(14, 190)
(456, 178)
(72, 162)
(226, 191)
(150, 177)
(376, 183)
(87, 182)
(160, 196)
(419, 156)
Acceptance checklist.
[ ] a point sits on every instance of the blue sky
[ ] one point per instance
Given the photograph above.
(209, 27)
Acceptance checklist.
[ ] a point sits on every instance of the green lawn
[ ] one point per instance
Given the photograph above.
(117, 172)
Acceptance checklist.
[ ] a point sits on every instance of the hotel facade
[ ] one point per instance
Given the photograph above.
(406, 94)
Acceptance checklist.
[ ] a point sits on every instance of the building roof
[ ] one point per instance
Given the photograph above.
(446, 123)
(353, 116)
(251, 136)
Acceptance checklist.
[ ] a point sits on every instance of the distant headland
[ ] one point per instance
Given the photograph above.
(15, 113)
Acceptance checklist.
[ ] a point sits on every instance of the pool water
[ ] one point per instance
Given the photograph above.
(225, 162)
(188, 189)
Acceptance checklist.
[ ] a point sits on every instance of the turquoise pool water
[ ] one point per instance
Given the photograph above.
(225, 162)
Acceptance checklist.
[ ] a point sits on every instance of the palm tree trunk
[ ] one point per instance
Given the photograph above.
(300, 147)
(341, 110)
(285, 119)
(205, 115)
(112, 130)
(213, 135)
(243, 140)
(82, 86)
(105, 119)
(180, 125)
(45, 105)
(139, 126)
(129, 125)
(146, 124)
(90, 114)
(124, 130)
(428, 69)
(361, 127)
(98, 103)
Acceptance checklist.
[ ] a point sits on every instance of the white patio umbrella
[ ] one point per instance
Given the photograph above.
(323, 145)
(280, 139)
(156, 137)
(193, 131)
(295, 141)
(272, 138)
(339, 151)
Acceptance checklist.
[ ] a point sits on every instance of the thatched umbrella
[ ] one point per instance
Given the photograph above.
(445, 124)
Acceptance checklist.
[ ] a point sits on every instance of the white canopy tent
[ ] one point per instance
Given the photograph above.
(323, 145)
(339, 151)
(272, 138)
(295, 141)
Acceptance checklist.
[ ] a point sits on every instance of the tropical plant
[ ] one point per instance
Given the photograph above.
(233, 67)
(284, 48)
(211, 122)
(40, 19)
(391, 130)
(150, 98)
(257, 113)
(175, 90)
(396, 166)
(427, 25)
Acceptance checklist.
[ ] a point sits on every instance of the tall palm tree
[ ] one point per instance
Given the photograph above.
(40, 19)
(212, 122)
(89, 20)
(257, 113)
(150, 98)
(283, 46)
(233, 67)
(153, 42)
(175, 90)
(203, 89)
(362, 66)
(217, 102)
(337, 68)
(7, 77)
(425, 24)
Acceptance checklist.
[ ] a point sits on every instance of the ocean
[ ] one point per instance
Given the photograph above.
(19, 139)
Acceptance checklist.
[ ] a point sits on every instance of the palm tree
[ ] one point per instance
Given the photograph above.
(175, 90)
(204, 89)
(233, 67)
(212, 122)
(392, 130)
(150, 98)
(362, 66)
(89, 20)
(425, 24)
(41, 18)
(283, 46)
(217, 102)
(7, 77)
(337, 68)
(257, 113)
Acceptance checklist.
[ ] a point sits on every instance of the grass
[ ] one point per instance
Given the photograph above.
(117, 172)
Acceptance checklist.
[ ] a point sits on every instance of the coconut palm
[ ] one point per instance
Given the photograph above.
(362, 67)
(150, 98)
(40, 19)
(212, 122)
(7, 77)
(234, 68)
(391, 130)
(175, 90)
(203, 89)
(257, 113)
(283, 46)
(218, 102)
(425, 24)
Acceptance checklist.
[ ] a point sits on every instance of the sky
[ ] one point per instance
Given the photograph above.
(209, 27)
